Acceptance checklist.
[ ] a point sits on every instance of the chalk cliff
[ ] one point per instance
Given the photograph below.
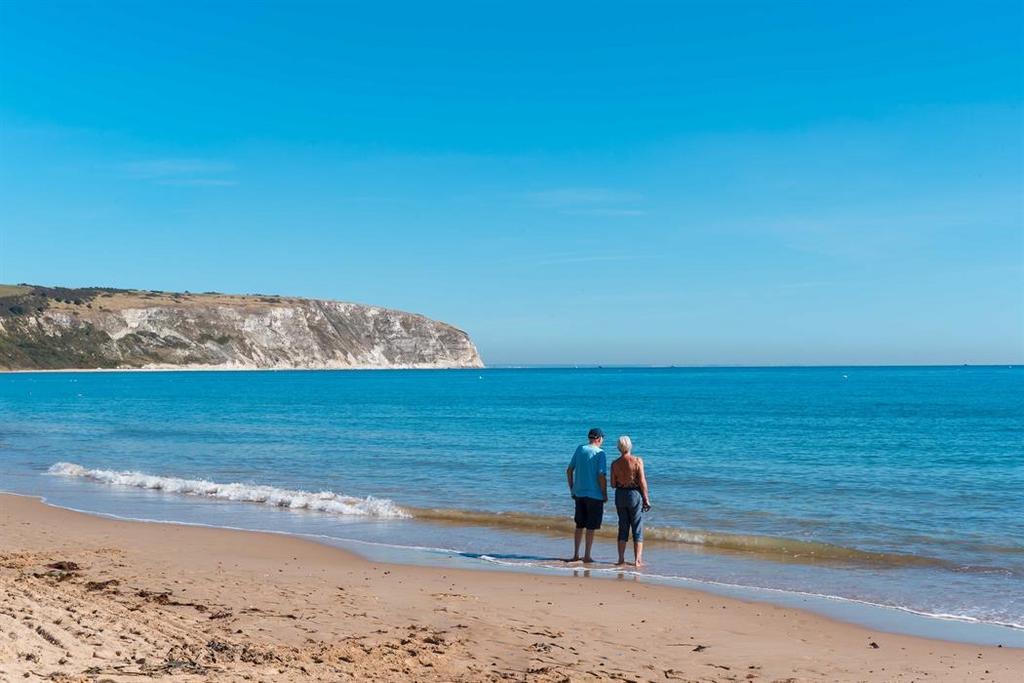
(53, 327)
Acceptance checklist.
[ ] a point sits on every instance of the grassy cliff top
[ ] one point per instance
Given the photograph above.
(23, 299)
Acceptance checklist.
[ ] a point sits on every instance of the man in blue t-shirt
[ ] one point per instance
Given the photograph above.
(588, 485)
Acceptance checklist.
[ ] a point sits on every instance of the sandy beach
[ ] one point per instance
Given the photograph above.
(86, 598)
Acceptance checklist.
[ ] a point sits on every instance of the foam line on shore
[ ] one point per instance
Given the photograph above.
(752, 589)
(769, 547)
(323, 501)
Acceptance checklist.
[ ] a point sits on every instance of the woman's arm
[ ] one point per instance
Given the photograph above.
(643, 485)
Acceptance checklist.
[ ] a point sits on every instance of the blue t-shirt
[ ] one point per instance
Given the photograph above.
(587, 462)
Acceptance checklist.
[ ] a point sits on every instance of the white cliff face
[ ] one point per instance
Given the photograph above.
(292, 333)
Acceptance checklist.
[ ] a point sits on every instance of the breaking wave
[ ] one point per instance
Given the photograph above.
(324, 501)
(779, 549)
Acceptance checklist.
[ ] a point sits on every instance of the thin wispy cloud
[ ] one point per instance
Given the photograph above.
(604, 212)
(812, 284)
(181, 172)
(576, 196)
(197, 182)
(556, 260)
(589, 201)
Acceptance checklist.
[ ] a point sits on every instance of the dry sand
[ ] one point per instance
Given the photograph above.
(85, 598)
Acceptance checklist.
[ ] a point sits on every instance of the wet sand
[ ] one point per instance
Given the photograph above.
(85, 598)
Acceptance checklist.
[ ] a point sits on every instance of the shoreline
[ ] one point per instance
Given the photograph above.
(492, 624)
(765, 546)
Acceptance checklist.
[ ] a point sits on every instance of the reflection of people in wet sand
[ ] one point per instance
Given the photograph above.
(588, 484)
(631, 499)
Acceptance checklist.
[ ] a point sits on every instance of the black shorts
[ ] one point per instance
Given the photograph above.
(589, 512)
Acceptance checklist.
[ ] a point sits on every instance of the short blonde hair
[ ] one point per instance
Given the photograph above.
(625, 444)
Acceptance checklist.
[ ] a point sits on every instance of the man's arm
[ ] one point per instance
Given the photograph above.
(602, 482)
(570, 471)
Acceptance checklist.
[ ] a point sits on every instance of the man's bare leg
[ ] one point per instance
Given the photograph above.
(590, 544)
(638, 552)
(577, 538)
(622, 553)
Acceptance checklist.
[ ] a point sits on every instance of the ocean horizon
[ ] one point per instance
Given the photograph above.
(524, 366)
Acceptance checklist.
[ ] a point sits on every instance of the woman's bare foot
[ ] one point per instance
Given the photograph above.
(638, 563)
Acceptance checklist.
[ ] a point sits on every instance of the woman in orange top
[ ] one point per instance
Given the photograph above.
(631, 499)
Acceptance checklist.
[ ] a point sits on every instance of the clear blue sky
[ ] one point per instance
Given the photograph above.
(677, 183)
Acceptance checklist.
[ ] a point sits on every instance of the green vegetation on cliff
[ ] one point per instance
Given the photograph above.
(102, 327)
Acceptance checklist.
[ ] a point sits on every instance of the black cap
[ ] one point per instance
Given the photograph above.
(595, 433)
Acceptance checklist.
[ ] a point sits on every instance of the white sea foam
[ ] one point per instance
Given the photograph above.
(324, 501)
(747, 588)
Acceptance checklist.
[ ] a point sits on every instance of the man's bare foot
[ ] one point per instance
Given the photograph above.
(588, 560)
(620, 563)
(574, 558)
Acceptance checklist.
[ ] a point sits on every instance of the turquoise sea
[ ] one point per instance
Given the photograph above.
(889, 496)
